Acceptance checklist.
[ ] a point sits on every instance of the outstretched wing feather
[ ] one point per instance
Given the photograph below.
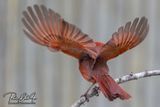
(126, 38)
(47, 28)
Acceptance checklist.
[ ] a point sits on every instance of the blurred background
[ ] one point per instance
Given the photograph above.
(55, 77)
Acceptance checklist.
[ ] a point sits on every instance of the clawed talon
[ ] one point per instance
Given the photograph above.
(95, 90)
(85, 96)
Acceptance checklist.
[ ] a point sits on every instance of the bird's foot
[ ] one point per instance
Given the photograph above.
(95, 91)
(86, 96)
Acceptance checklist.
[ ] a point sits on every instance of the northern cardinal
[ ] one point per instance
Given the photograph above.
(47, 28)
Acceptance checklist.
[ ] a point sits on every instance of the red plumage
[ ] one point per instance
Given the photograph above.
(99, 74)
(46, 27)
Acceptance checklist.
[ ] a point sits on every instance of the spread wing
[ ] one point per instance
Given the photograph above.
(47, 28)
(126, 38)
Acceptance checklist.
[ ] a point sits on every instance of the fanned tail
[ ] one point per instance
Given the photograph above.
(110, 88)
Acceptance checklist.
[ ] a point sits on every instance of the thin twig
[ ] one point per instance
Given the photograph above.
(126, 78)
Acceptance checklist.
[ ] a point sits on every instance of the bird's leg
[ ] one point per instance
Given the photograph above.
(86, 93)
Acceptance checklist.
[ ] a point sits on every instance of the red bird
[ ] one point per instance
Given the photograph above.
(47, 28)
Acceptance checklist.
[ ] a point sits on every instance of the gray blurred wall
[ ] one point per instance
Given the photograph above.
(28, 67)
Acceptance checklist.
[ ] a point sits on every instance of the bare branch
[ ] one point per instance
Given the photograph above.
(95, 91)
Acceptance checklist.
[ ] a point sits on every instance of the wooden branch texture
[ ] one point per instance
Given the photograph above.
(120, 80)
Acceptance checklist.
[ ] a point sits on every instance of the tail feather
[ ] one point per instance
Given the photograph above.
(110, 88)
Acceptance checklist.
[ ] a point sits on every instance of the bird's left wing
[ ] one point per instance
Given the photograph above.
(47, 28)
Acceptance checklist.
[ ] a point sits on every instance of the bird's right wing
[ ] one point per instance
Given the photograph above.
(47, 28)
(126, 38)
